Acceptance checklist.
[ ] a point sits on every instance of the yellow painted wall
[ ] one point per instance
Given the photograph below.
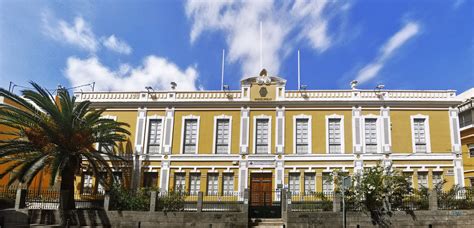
(253, 114)
(319, 128)
(402, 135)
(206, 130)
(129, 117)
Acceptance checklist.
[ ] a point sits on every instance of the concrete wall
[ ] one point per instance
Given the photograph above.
(458, 218)
(132, 219)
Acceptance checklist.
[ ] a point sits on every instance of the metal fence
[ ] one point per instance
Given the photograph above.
(309, 202)
(48, 199)
(7, 193)
(412, 202)
(230, 201)
(456, 199)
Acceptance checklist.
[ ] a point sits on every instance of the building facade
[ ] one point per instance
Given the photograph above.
(466, 116)
(225, 141)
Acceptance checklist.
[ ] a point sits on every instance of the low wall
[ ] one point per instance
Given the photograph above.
(454, 218)
(177, 219)
(142, 219)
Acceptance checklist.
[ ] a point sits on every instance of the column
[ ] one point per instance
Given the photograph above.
(280, 130)
(386, 130)
(357, 129)
(164, 176)
(243, 176)
(244, 130)
(168, 134)
(139, 147)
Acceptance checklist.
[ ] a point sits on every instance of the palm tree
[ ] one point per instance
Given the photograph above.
(59, 135)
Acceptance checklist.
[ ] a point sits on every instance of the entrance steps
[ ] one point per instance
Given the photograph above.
(267, 223)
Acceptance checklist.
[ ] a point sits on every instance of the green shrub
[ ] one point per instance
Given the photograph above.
(126, 200)
(173, 201)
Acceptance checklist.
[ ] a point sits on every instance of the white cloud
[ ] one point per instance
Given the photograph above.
(458, 3)
(239, 21)
(155, 71)
(386, 51)
(79, 33)
(117, 45)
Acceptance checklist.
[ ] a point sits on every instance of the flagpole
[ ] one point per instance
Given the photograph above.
(222, 71)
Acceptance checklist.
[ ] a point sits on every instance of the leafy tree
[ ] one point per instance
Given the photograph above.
(57, 134)
(377, 191)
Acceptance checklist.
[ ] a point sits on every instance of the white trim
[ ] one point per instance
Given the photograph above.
(222, 117)
(378, 130)
(244, 114)
(147, 128)
(269, 118)
(303, 116)
(341, 127)
(183, 121)
(427, 132)
(454, 115)
(2, 99)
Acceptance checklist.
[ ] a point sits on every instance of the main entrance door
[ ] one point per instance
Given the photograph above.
(264, 201)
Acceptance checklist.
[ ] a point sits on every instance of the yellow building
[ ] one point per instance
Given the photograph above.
(264, 136)
(466, 115)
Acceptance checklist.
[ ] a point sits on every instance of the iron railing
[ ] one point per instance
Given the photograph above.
(309, 202)
(230, 201)
(456, 199)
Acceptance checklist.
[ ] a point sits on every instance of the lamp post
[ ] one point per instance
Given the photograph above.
(346, 183)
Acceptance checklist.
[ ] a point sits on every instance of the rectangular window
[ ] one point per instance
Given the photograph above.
(419, 135)
(294, 185)
(328, 185)
(334, 133)
(222, 136)
(309, 183)
(422, 180)
(154, 136)
(472, 182)
(87, 183)
(409, 179)
(100, 186)
(437, 179)
(212, 181)
(471, 150)
(228, 184)
(194, 183)
(190, 136)
(179, 182)
(302, 136)
(371, 135)
(150, 179)
(117, 177)
(261, 137)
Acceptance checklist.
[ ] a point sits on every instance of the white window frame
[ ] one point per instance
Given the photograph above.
(182, 188)
(183, 126)
(292, 185)
(90, 183)
(435, 173)
(196, 191)
(427, 132)
(469, 148)
(148, 119)
(331, 182)
(422, 173)
(378, 131)
(306, 191)
(264, 117)
(214, 192)
(230, 191)
(222, 117)
(341, 127)
(310, 145)
(114, 118)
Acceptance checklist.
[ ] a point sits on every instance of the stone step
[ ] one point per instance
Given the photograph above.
(267, 223)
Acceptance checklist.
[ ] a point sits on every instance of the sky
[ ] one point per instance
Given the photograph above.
(125, 45)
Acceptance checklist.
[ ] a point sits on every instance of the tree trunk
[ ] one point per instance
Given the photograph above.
(66, 196)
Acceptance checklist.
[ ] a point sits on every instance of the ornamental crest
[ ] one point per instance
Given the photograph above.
(263, 78)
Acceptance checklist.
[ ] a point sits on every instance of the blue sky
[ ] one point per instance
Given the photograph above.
(127, 45)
